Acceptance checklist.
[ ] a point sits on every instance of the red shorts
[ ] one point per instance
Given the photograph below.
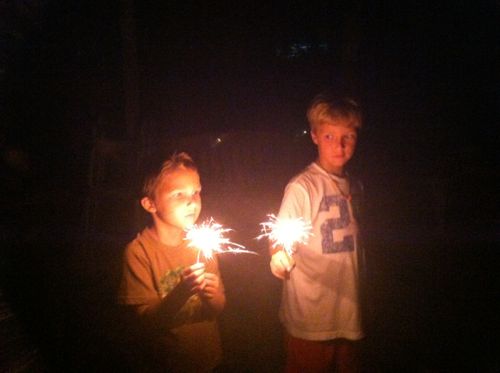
(337, 355)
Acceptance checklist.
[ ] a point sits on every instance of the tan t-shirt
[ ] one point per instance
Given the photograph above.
(150, 271)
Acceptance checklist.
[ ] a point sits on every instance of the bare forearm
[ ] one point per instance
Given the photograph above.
(162, 314)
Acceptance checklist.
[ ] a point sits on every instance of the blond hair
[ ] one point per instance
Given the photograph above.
(156, 175)
(327, 108)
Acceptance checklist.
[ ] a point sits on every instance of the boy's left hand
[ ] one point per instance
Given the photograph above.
(212, 284)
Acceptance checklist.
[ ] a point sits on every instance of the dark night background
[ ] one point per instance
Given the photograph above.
(90, 89)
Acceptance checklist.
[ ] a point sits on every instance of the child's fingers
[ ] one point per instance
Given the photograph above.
(278, 270)
(194, 277)
(281, 263)
(212, 283)
(288, 262)
(285, 260)
(197, 268)
(282, 259)
(194, 271)
(202, 285)
(212, 279)
(208, 292)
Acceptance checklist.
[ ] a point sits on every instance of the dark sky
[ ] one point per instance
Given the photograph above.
(428, 62)
(424, 72)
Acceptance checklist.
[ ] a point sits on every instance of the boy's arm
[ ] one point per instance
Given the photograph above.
(195, 280)
(138, 291)
(163, 312)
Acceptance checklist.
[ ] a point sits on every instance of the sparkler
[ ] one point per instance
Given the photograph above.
(286, 232)
(208, 238)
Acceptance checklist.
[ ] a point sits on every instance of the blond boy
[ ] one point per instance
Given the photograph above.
(175, 299)
(320, 308)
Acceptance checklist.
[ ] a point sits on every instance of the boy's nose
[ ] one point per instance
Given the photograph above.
(337, 143)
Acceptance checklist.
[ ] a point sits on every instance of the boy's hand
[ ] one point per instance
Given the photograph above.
(212, 284)
(193, 278)
(281, 263)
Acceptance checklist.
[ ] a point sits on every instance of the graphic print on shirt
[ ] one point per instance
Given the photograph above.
(329, 226)
(170, 280)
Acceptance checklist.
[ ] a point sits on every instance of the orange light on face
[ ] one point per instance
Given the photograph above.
(286, 233)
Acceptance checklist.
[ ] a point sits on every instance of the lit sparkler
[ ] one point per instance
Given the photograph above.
(286, 233)
(208, 238)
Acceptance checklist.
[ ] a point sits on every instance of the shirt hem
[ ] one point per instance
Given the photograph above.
(323, 335)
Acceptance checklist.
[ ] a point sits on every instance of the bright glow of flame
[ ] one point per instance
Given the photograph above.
(286, 232)
(208, 238)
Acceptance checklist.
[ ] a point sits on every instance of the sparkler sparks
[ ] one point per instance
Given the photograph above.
(208, 238)
(286, 232)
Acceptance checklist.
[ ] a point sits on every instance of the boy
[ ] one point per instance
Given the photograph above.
(175, 299)
(320, 302)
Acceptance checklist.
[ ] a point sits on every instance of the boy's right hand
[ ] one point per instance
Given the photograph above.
(193, 278)
(281, 263)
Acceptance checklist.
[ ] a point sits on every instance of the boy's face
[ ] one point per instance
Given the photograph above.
(336, 142)
(177, 202)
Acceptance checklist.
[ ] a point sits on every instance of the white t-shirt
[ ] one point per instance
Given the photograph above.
(320, 298)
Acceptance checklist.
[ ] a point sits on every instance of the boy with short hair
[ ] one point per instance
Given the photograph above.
(175, 298)
(320, 307)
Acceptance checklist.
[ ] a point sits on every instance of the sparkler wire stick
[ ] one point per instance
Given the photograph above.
(208, 238)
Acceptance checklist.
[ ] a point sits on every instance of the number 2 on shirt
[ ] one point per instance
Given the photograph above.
(328, 244)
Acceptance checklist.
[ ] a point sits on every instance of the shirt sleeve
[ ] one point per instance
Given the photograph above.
(137, 287)
(295, 203)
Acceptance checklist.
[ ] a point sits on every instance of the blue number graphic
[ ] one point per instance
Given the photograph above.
(329, 246)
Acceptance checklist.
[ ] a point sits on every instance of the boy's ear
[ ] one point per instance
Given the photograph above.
(148, 205)
(314, 137)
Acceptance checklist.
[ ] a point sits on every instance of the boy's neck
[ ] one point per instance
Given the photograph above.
(170, 236)
(333, 171)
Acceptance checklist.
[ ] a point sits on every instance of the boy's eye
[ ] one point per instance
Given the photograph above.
(185, 195)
